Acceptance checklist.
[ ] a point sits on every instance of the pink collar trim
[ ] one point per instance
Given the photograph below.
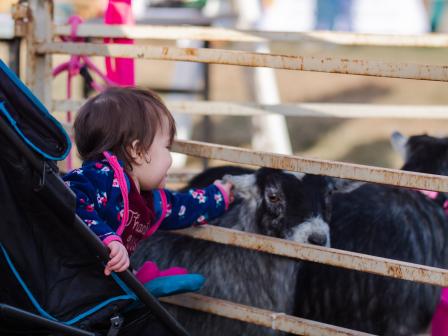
(153, 228)
(119, 175)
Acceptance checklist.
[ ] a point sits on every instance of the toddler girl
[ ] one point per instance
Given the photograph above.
(124, 136)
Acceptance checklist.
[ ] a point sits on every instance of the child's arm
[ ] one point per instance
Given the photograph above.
(197, 206)
(87, 206)
(89, 203)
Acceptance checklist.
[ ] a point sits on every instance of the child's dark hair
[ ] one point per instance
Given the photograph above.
(113, 119)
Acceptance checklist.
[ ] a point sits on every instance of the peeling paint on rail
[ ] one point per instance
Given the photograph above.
(324, 255)
(252, 59)
(313, 166)
(252, 36)
(262, 317)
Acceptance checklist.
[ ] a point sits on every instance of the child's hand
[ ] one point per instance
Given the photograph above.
(119, 259)
(227, 187)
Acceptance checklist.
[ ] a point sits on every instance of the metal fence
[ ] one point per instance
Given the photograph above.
(42, 43)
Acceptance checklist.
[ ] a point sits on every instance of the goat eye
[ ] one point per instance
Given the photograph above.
(273, 198)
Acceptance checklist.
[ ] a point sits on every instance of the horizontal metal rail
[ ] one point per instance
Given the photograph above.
(313, 166)
(262, 317)
(352, 171)
(323, 110)
(345, 170)
(324, 255)
(154, 32)
(253, 59)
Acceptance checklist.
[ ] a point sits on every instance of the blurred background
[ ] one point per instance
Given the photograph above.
(352, 140)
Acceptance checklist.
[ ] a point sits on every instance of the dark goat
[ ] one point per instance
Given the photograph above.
(387, 222)
(269, 202)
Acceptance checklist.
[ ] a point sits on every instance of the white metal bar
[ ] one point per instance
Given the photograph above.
(313, 166)
(155, 32)
(269, 131)
(253, 59)
(262, 317)
(324, 110)
(324, 255)
(6, 27)
(66, 105)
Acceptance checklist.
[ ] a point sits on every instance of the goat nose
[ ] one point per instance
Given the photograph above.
(317, 239)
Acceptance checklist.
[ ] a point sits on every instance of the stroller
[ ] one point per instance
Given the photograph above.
(51, 264)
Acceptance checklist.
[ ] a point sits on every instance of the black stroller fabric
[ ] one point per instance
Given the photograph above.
(44, 267)
(39, 257)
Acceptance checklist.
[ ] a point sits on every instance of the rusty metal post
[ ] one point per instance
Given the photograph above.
(39, 65)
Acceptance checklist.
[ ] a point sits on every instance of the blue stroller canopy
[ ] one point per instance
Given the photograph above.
(30, 119)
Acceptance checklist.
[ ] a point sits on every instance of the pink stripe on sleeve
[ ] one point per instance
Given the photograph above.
(224, 194)
(111, 238)
(119, 174)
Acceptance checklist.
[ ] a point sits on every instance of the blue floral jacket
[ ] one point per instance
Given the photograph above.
(100, 203)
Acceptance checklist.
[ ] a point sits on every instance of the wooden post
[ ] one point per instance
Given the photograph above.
(39, 66)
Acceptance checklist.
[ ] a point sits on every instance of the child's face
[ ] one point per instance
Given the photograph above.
(151, 168)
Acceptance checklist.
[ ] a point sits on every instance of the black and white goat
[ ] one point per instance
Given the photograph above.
(388, 222)
(269, 202)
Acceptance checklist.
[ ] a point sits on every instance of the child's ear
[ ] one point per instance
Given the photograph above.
(136, 154)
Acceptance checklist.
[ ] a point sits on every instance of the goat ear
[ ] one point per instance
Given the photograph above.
(399, 143)
(244, 186)
(338, 185)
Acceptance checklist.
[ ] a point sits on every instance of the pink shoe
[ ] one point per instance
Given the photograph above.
(173, 271)
(149, 271)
